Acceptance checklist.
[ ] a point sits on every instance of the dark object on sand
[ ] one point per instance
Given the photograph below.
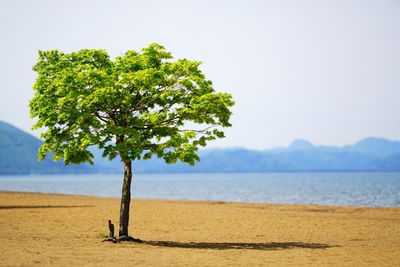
(111, 227)
(114, 239)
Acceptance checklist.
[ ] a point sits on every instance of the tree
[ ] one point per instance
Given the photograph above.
(139, 105)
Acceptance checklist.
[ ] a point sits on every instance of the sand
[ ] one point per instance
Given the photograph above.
(64, 230)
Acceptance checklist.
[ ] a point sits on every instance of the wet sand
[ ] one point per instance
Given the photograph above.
(64, 230)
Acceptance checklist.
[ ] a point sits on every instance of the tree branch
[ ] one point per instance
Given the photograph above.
(199, 131)
(100, 117)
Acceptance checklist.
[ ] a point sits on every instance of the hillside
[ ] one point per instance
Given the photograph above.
(18, 156)
(300, 156)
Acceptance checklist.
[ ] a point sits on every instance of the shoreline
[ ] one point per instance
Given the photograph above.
(66, 230)
(199, 201)
(328, 189)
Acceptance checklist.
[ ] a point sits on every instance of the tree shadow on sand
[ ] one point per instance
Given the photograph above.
(41, 207)
(254, 246)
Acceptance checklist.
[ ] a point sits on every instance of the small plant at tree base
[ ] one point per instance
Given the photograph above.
(102, 235)
(139, 105)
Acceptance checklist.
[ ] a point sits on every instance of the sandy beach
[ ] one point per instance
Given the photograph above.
(64, 230)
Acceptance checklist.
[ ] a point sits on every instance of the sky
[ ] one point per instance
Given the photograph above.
(325, 71)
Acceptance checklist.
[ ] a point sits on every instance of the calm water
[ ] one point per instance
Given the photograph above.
(359, 189)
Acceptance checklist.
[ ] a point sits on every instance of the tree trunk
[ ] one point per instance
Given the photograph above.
(126, 199)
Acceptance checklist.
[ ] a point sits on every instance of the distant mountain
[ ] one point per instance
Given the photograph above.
(369, 155)
(18, 156)
(378, 147)
(301, 144)
(18, 152)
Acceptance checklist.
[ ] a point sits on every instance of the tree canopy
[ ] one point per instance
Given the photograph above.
(138, 105)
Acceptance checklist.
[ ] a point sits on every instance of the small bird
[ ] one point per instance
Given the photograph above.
(111, 227)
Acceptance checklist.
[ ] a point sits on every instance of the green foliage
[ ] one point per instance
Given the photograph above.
(135, 106)
(101, 235)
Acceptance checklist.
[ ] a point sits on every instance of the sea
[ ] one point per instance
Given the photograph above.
(348, 189)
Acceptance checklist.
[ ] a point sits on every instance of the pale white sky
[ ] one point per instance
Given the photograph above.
(326, 71)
